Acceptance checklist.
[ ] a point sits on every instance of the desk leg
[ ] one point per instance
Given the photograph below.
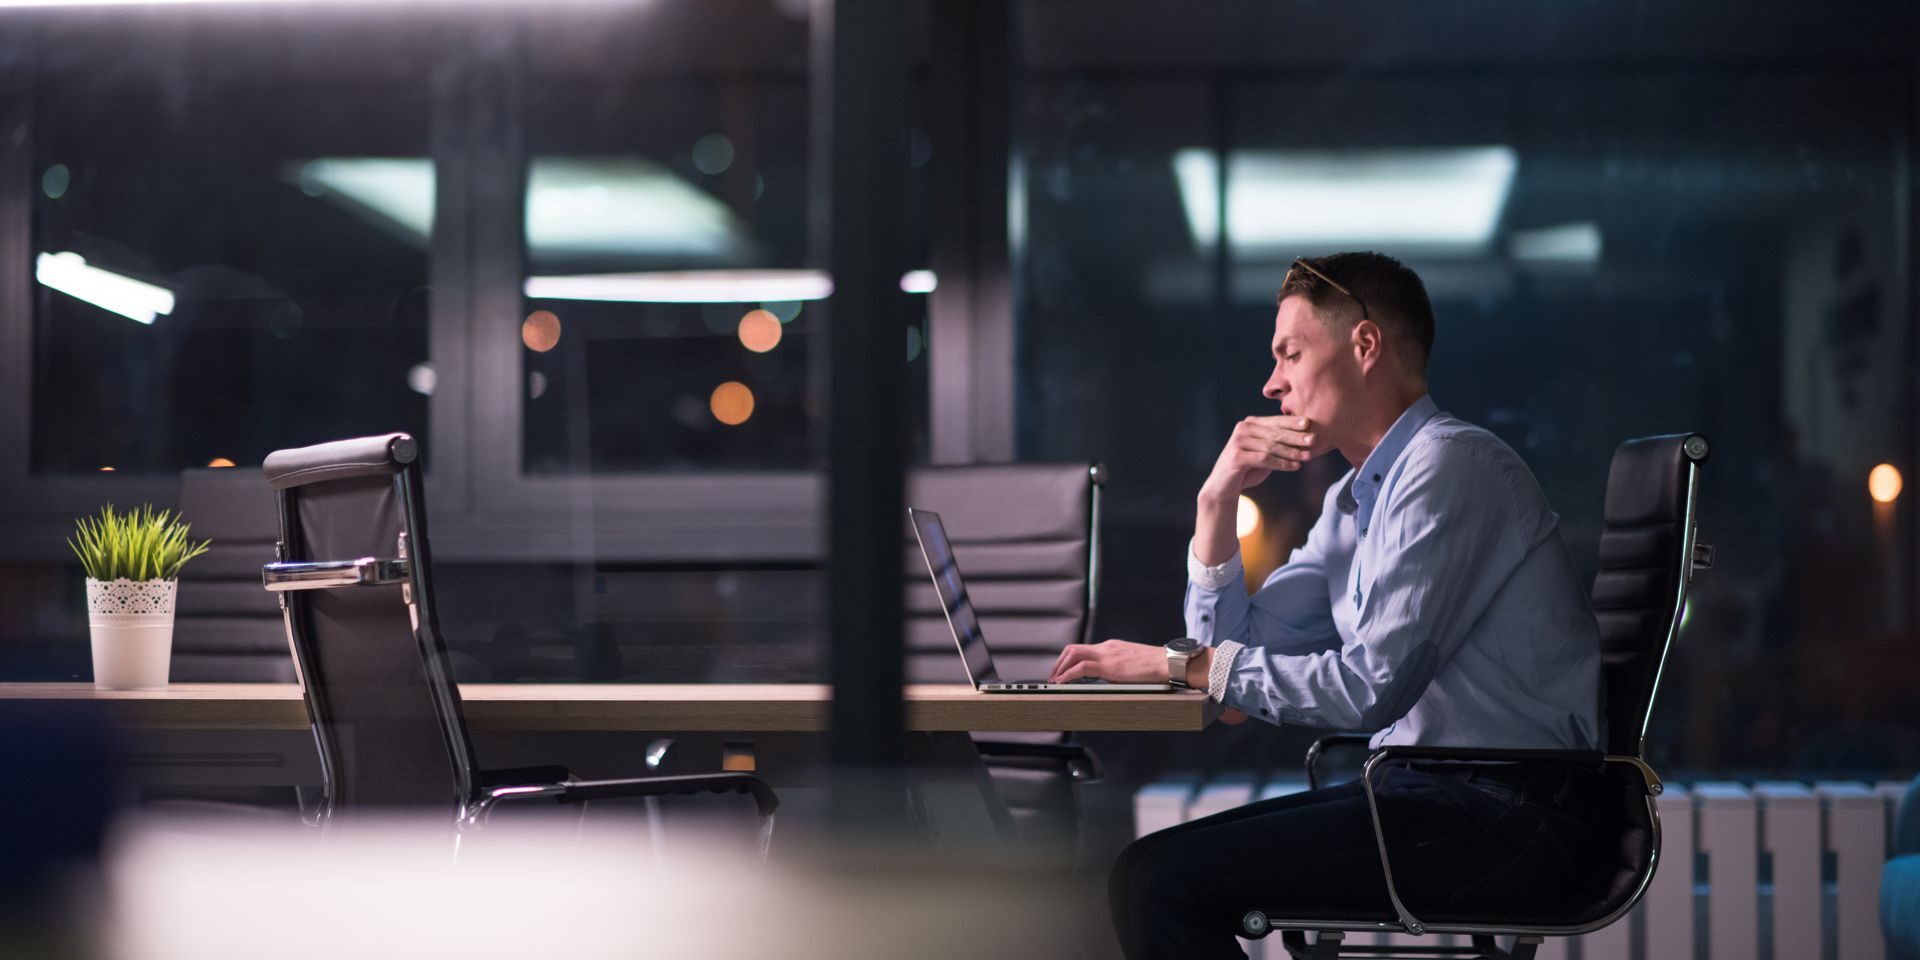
(954, 798)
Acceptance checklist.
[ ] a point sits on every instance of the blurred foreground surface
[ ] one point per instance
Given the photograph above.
(197, 889)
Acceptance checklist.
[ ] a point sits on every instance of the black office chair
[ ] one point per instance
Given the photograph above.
(1649, 551)
(226, 628)
(1027, 538)
(355, 579)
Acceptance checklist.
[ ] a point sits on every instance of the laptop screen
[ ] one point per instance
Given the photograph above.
(953, 595)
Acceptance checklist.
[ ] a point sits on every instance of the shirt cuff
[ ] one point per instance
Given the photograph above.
(1216, 577)
(1222, 668)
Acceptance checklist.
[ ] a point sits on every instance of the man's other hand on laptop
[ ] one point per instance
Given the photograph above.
(1122, 661)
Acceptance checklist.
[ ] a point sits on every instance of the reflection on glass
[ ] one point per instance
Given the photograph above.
(1603, 266)
(668, 233)
(269, 247)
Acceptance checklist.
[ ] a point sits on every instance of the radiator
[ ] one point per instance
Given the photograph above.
(1772, 870)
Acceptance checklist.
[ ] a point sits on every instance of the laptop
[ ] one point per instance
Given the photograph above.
(974, 654)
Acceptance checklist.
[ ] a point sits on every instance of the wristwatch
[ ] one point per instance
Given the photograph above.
(1178, 653)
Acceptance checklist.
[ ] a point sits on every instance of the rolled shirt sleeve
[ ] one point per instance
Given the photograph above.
(1441, 549)
(1290, 612)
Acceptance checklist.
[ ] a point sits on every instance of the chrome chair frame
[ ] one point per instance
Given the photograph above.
(1255, 924)
(479, 791)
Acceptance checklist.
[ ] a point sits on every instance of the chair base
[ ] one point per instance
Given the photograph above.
(1332, 945)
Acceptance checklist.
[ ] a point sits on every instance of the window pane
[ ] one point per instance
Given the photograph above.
(1615, 246)
(230, 249)
(670, 318)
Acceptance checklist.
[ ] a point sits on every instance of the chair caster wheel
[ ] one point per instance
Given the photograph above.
(1255, 924)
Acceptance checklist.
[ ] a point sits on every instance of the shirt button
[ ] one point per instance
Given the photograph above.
(1205, 618)
(1264, 713)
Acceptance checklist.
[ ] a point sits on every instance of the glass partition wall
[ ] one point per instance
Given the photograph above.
(573, 251)
(1626, 228)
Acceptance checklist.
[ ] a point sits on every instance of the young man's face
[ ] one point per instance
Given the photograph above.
(1315, 370)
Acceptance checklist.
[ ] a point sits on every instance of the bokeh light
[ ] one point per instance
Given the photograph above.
(1884, 483)
(55, 181)
(421, 378)
(713, 154)
(541, 331)
(219, 462)
(1246, 520)
(731, 403)
(760, 331)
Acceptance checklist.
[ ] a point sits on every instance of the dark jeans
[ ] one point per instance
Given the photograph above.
(1469, 839)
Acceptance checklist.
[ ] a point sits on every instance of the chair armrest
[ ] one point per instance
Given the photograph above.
(513, 775)
(1082, 764)
(1484, 755)
(763, 795)
(1515, 756)
(1320, 746)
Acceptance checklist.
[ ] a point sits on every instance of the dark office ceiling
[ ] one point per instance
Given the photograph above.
(1319, 34)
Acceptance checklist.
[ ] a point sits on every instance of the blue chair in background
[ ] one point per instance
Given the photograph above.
(1900, 882)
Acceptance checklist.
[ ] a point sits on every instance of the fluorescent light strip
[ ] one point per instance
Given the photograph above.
(690, 286)
(1199, 178)
(1567, 243)
(69, 273)
(593, 207)
(705, 286)
(1294, 202)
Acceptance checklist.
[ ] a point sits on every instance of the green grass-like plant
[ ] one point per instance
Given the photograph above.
(137, 545)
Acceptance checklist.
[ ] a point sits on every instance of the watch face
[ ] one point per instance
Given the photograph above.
(1183, 645)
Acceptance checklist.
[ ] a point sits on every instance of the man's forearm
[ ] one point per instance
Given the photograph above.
(1215, 539)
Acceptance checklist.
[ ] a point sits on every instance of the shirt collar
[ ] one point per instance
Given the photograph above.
(1364, 484)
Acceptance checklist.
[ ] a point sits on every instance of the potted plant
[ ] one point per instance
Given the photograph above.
(133, 562)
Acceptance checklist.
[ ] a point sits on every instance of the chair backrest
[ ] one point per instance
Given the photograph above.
(227, 628)
(1646, 564)
(366, 635)
(1026, 537)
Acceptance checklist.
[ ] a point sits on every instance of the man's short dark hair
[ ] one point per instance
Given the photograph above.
(1396, 299)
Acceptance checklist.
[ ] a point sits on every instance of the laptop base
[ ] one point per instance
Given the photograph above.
(1044, 687)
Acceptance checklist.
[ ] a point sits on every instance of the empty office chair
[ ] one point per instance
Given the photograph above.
(356, 577)
(1649, 551)
(1026, 537)
(227, 629)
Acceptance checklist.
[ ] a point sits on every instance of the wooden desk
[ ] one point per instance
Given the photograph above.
(207, 734)
(665, 708)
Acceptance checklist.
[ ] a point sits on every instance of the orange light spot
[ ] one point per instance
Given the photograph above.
(760, 331)
(106, 469)
(541, 331)
(1884, 483)
(219, 462)
(731, 403)
(1246, 520)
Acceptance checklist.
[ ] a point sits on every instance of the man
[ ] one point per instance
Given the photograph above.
(1434, 603)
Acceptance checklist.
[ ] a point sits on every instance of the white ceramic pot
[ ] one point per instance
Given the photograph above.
(132, 626)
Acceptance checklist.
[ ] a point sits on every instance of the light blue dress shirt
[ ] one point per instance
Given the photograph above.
(1434, 602)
